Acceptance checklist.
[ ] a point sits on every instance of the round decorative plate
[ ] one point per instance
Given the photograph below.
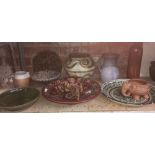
(71, 90)
(18, 99)
(45, 76)
(112, 90)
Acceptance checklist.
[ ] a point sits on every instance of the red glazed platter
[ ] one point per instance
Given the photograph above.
(71, 90)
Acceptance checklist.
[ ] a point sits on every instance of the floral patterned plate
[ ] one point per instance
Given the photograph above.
(112, 90)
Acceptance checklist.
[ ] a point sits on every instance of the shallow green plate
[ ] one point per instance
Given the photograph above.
(18, 99)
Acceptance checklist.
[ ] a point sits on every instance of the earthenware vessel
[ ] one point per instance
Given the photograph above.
(134, 62)
(80, 65)
(22, 79)
(136, 88)
(152, 70)
(108, 67)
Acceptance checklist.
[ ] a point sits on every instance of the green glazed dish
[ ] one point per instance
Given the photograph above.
(18, 99)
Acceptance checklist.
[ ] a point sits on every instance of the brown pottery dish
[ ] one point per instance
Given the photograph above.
(71, 90)
(136, 88)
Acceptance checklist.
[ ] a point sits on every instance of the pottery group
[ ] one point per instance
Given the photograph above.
(79, 87)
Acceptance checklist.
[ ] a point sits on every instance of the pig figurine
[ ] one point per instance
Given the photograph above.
(136, 89)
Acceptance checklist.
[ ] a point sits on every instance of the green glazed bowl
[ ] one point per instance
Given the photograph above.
(18, 99)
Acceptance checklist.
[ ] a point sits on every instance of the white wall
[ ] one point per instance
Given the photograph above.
(148, 55)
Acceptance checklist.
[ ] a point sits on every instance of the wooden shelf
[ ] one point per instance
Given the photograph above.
(99, 104)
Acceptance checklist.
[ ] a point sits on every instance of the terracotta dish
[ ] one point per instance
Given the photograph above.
(71, 90)
(136, 88)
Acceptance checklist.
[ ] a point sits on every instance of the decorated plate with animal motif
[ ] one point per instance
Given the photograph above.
(112, 90)
(71, 90)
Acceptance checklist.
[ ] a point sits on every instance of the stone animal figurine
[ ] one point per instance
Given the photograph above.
(136, 89)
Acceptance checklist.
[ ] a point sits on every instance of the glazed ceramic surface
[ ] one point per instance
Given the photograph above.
(81, 65)
(18, 99)
(45, 76)
(108, 67)
(112, 90)
(134, 61)
(152, 70)
(22, 79)
(71, 90)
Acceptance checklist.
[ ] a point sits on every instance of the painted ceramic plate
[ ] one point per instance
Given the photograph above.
(71, 90)
(18, 99)
(112, 90)
(45, 76)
